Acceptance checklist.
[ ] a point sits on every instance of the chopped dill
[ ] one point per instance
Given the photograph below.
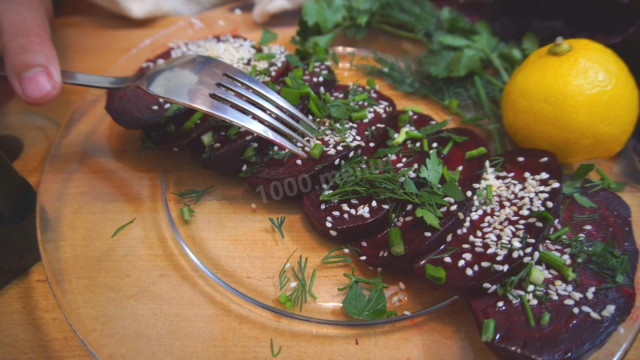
(194, 195)
(278, 223)
(122, 227)
(302, 288)
(275, 353)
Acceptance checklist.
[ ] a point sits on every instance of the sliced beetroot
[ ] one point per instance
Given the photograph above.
(293, 176)
(224, 151)
(499, 233)
(420, 238)
(363, 216)
(582, 313)
(346, 219)
(133, 108)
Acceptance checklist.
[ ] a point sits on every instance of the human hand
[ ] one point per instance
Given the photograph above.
(30, 58)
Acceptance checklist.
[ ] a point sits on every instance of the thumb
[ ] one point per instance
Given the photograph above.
(30, 58)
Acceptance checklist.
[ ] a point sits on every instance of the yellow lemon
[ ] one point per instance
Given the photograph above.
(575, 98)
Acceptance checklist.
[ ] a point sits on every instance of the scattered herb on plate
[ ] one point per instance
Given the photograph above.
(278, 223)
(302, 288)
(361, 306)
(194, 195)
(122, 227)
(275, 353)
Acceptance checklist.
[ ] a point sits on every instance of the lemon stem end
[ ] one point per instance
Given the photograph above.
(559, 47)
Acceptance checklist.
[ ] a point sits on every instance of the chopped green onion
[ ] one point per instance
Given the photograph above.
(186, 212)
(412, 108)
(232, 132)
(396, 244)
(544, 318)
(360, 114)
(435, 274)
(488, 329)
(447, 148)
(558, 234)
(557, 263)
(536, 276)
(264, 56)
(527, 310)
(360, 97)
(207, 139)
(404, 134)
(475, 153)
(316, 150)
(193, 120)
(425, 145)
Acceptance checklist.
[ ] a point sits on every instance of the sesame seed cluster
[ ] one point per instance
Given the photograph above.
(502, 229)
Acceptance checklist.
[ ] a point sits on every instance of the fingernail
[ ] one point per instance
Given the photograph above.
(36, 83)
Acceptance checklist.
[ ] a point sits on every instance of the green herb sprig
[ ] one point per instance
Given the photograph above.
(122, 227)
(464, 62)
(303, 288)
(193, 195)
(360, 306)
(278, 223)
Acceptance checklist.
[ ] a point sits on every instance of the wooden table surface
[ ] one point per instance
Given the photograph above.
(88, 40)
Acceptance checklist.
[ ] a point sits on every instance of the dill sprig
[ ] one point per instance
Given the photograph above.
(303, 288)
(277, 223)
(379, 179)
(601, 257)
(194, 195)
(339, 255)
(275, 353)
(122, 227)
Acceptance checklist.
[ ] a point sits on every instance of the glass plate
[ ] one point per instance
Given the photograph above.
(164, 289)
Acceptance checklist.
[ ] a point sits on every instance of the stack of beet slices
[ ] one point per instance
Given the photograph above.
(545, 276)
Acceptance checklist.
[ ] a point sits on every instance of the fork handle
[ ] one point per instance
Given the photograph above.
(95, 81)
(90, 80)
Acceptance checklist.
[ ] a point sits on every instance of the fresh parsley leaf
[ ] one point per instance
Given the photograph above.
(360, 306)
(267, 37)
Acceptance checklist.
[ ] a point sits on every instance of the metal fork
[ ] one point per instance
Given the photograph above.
(217, 89)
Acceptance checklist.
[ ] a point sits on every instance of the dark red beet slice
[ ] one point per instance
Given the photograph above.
(364, 216)
(420, 238)
(578, 324)
(223, 151)
(133, 108)
(495, 238)
(294, 176)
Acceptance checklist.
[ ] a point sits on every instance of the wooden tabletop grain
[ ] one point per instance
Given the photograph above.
(88, 40)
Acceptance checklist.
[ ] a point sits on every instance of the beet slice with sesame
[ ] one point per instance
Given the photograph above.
(293, 176)
(502, 228)
(418, 237)
(133, 108)
(583, 313)
(364, 216)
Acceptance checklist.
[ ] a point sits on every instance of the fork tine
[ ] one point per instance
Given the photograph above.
(221, 94)
(259, 101)
(225, 112)
(262, 90)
